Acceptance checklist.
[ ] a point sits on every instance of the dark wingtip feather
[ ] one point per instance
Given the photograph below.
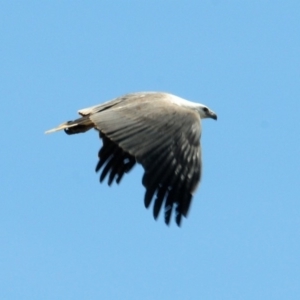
(186, 204)
(99, 165)
(106, 169)
(148, 196)
(168, 213)
(159, 201)
(178, 219)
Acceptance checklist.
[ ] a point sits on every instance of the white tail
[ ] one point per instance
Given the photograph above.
(60, 127)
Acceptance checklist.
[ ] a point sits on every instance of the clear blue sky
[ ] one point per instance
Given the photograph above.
(65, 236)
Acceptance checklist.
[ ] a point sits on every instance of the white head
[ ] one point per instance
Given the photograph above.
(205, 112)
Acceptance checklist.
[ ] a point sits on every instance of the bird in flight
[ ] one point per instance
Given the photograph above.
(161, 132)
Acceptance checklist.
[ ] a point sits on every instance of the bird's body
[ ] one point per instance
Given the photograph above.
(158, 130)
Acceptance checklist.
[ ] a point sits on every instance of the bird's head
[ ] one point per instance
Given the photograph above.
(205, 112)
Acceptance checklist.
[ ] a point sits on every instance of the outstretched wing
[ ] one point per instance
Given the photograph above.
(164, 138)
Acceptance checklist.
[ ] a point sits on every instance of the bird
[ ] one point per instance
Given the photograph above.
(157, 130)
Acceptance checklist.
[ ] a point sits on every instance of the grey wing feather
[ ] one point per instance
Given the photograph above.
(165, 139)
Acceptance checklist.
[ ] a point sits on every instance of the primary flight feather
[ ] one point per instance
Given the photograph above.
(161, 132)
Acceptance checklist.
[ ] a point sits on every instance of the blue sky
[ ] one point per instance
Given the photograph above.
(65, 236)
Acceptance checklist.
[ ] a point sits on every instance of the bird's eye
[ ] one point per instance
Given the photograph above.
(205, 109)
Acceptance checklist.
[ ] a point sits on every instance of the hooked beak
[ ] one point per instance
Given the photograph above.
(212, 115)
